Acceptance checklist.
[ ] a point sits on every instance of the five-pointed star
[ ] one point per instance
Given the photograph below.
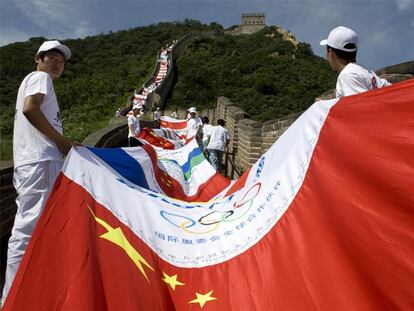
(171, 280)
(116, 236)
(202, 299)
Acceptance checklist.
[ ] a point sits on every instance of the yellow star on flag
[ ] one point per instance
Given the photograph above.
(116, 236)
(202, 299)
(171, 280)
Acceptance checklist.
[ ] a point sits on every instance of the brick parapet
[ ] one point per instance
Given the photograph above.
(222, 105)
(233, 116)
(249, 138)
(250, 143)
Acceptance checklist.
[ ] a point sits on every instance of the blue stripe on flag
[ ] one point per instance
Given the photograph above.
(123, 164)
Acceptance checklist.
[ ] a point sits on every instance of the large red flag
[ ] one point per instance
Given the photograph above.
(323, 221)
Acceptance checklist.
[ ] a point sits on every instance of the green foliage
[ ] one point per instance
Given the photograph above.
(6, 127)
(103, 71)
(260, 73)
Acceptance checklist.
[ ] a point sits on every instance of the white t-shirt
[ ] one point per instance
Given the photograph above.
(29, 144)
(206, 131)
(134, 121)
(218, 138)
(355, 79)
(192, 126)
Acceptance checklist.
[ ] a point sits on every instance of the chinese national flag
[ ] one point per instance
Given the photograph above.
(324, 221)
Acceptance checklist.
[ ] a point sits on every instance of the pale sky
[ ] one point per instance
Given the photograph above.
(385, 27)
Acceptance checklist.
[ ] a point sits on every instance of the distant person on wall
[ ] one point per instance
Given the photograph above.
(207, 127)
(341, 49)
(38, 148)
(195, 127)
(134, 126)
(174, 114)
(157, 114)
(217, 144)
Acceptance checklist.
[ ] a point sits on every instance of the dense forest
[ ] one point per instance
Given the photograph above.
(264, 75)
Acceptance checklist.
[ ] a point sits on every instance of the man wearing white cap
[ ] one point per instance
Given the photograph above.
(134, 126)
(194, 127)
(157, 114)
(217, 144)
(38, 148)
(341, 48)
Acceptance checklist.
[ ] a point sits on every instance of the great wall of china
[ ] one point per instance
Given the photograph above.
(249, 138)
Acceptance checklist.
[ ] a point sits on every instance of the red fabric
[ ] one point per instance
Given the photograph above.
(179, 125)
(67, 266)
(345, 242)
(148, 135)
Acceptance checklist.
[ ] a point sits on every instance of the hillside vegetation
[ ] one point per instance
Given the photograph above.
(103, 71)
(261, 73)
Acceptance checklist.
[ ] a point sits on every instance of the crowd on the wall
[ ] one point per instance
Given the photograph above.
(164, 63)
(212, 140)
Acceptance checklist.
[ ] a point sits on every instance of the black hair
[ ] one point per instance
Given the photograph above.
(221, 122)
(205, 120)
(349, 56)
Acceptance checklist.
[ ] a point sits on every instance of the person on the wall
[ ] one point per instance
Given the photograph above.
(38, 148)
(341, 50)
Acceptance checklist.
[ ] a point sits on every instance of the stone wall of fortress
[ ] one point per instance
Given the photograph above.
(249, 139)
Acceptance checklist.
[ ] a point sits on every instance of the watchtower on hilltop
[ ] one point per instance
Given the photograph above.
(252, 22)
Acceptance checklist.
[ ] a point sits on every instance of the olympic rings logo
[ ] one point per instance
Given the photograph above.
(211, 221)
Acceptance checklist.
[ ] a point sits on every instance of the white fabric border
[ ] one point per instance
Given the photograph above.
(202, 234)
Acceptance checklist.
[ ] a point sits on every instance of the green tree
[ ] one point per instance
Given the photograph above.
(103, 71)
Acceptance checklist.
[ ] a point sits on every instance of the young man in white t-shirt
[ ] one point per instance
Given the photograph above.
(195, 127)
(219, 139)
(38, 148)
(157, 114)
(207, 127)
(134, 126)
(341, 48)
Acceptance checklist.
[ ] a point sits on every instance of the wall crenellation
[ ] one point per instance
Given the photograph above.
(249, 139)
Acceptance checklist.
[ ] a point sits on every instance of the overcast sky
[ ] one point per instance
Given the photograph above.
(385, 27)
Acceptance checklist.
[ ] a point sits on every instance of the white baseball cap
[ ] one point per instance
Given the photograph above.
(54, 44)
(192, 110)
(339, 37)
